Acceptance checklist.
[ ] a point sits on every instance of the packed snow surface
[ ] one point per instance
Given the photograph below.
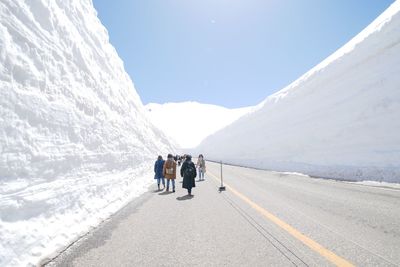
(75, 141)
(188, 123)
(341, 119)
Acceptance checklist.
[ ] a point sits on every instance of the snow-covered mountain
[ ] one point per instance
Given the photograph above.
(341, 119)
(75, 141)
(188, 123)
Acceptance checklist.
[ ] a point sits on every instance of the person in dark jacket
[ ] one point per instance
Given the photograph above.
(158, 171)
(188, 172)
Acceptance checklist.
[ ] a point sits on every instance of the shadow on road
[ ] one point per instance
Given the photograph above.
(186, 197)
(165, 193)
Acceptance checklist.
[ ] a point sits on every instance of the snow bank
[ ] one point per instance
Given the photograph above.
(339, 120)
(75, 141)
(188, 123)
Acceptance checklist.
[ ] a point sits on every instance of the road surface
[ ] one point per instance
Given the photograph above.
(263, 219)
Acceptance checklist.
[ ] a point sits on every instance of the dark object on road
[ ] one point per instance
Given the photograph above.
(222, 187)
(184, 197)
(188, 172)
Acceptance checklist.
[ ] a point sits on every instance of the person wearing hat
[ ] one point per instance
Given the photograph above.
(169, 171)
(188, 172)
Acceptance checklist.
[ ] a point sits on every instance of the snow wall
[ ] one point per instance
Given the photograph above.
(193, 121)
(75, 142)
(339, 120)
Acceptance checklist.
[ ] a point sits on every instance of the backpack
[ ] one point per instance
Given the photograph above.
(169, 168)
(190, 171)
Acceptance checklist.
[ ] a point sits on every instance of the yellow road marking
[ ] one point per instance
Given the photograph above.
(329, 255)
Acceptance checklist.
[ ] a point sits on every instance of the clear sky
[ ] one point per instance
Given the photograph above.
(232, 53)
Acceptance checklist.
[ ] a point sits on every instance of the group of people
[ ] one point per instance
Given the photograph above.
(166, 170)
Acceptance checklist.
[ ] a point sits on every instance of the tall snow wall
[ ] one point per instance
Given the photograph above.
(339, 120)
(209, 119)
(75, 143)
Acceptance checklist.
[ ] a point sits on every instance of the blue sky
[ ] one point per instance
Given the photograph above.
(232, 53)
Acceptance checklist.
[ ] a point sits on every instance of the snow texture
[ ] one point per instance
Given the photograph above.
(339, 120)
(188, 123)
(75, 140)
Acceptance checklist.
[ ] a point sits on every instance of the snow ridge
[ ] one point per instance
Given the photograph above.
(76, 143)
(188, 123)
(339, 120)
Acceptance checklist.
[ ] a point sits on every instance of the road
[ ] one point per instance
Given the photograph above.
(263, 219)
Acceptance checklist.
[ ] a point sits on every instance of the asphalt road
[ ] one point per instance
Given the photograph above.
(262, 219)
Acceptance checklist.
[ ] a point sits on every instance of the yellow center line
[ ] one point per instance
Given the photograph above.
(329, 255)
